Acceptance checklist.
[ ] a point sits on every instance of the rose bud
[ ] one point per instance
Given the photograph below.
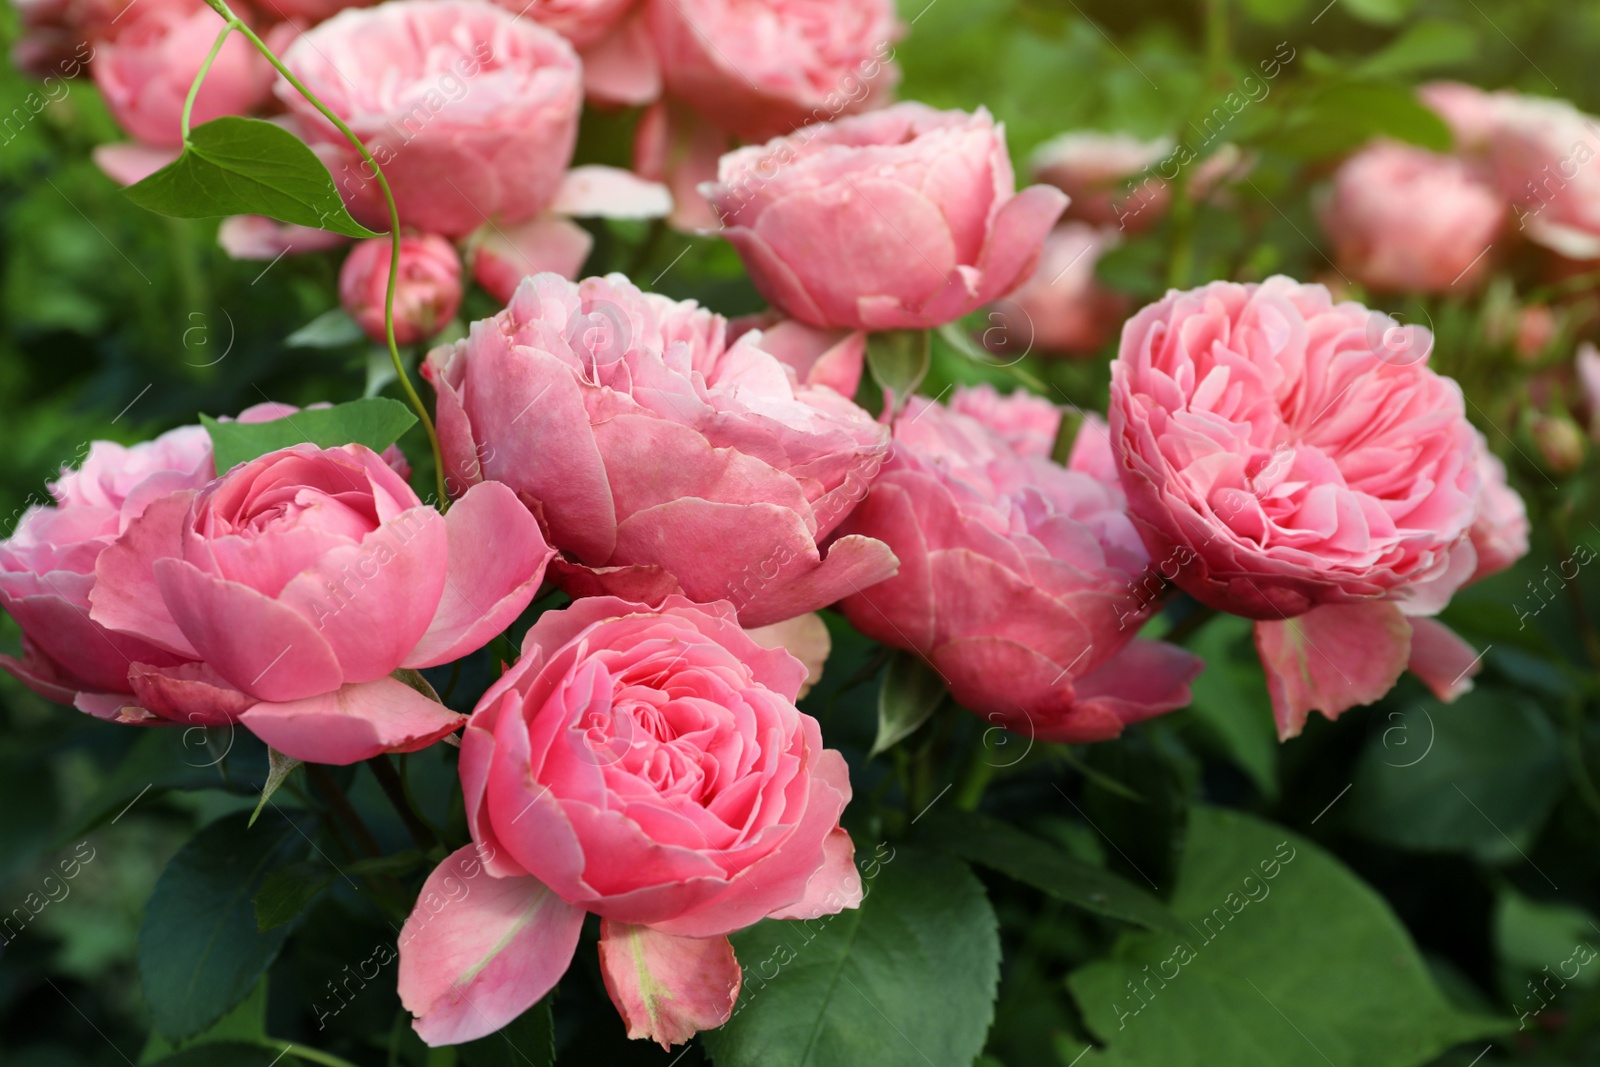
(1560, 443)
(636, 432)
(1022, 583)
(650, 767)
(425, 297)
(146, 72)
(844, 225)
(471, 112)
(1404, 219)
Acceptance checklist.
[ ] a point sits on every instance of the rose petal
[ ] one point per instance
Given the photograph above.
(668, 988)
(1331, 659)
(1442, 659)
(353, 723)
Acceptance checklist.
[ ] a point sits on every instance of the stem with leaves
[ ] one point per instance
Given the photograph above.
(235, 23)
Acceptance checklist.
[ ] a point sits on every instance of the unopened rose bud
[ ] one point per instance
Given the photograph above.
(1560, 443)
(1536, 328)
(425, 297)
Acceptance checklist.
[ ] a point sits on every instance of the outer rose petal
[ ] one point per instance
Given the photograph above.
(1331, 659)
(853, 563)
(472, 961)
(668, 988)
(596, 191)
(506, 255)
(835, 886)
(1441, 659)
(622, 67)
(191, 693)
(1145, 679)
(805, 637)
(353, 723)
(497, 558)
(129, 162)
(126, 597)
(834, 358)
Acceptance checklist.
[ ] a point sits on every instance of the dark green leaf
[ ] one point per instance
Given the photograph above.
(288, 890)
(240, 166)
(906, 980)
(231, 1053)
(376, 422)
(1289, 959)
(246, 1023)
(529, 1041)
(199, 950)
(1004, 848)
(911, 692)
(331, 329)
(1230, 699)
(898, 361)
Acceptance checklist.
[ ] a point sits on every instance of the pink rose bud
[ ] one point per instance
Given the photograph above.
(1062, 308)
(1022, 582)
(1408, 220)
(761, 71)
(303, 579)
(1536, 329)
(903, 218)
(650, 767)
(425, 297)
(636, 431)
(471, 112)
(145, 74)
(1560, 443)
(1109, 176)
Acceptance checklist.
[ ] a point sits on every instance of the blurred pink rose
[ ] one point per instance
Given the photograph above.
(260, 238)
(1544, 157)
(844, 225)
(654, 438)
(1586, 368)
(302, 580)
(145, 73)
(1500, 532)
(1019, 579)
(471, 112)
(1028, 423)
(425, 297)
(1470, 112)
(583, 22)
(1100, 172)
(760, 70)
(301, 13)
(648, 766)
(1405, 219)
(1063, 308)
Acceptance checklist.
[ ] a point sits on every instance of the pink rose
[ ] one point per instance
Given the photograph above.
(301, 581)
(1405, 219)
(761, 70)
(654, 439)
(1544, 157)
(471, 112)
(425, 297)
(1099, 171)
(1500, 532)
(146, 72)
(648, 766)
(903, 218)
(1063, 308)
(1021, 580)
(583, 22)
(834, 358)
(1471, 113)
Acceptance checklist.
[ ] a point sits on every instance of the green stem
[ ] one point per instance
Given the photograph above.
(1191, 625)
(304, 1053)
(979, 774)
(200, 76)
(234, 22)
(393, 788)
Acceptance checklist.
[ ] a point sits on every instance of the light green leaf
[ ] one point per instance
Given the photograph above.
(246, 1023)
(1343, 116)
(240, 166)
(1381, 12)
(1428, 44)
(376, 422)
(1004, 848)
(898, 361)
(910, 693)
(1290, 959)
(1531, 936)
(906, 980)
(331, 329)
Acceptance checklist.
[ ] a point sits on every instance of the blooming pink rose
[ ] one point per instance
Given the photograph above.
(1028, 423)
(1098, 171)
(1405, 219)
(640, 438)
(1544, 157)
(1500, 532)
(425, 297)
(146, 72)
(471, 112)
(759, 70)
(903, 218)
(302, 580)
(648, 766)
(1063, 308)
(1020, 579)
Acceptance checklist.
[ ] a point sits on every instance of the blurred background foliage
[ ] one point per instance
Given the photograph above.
(118, 324)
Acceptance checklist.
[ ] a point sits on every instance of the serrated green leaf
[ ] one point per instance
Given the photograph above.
(906, 980)
(240, 166)
(246, 1022)
(199, 950)
(1290, 959)
(1004, 848)
(331, 329)
(287, 892)
(376, 422)
(910, 693)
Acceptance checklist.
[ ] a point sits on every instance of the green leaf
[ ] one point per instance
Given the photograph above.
(331, 329)
(1289, 959)
(246, 1022)
(898, 361)
(287, 892)
(1274, 12)
(279, 767)
(910, 693)
(376, 422)
(1464, 777)
(1004, 848)
(1530, 936)
(1345, 115)
(529, 1041)
(240, 166)
(1428, 44)
(199, 950)
(1381, 12)
(232, 1053)
(906, 980)
(1231, 701)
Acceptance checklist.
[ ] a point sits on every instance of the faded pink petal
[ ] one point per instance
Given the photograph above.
(835, 886)
(477, 951)
(1445, 662)
(668, 988)
(599, 191)
(130, 162)
(352, 723)
(1331, 659)
(622, 68)
(805, 637)
(507, 254)
(191, 693)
